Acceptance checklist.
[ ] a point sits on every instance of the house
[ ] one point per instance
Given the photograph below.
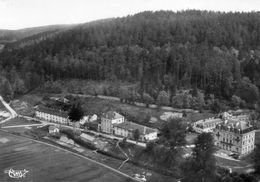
(51, 115)
(54, 131)
(84, 120)
(236, 136)
(206, 125)
(93, 118)
(109, 119)
(126, 129)
(88, 119)
(168, 115)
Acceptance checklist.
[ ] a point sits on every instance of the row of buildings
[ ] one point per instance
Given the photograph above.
(114, 123)
(231, 133)
(111, 123)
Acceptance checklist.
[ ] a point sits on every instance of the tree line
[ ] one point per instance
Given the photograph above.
(163, 51)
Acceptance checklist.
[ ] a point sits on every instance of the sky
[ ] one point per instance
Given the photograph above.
(17, 14)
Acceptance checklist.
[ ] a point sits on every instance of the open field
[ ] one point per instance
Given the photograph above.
(46, 163)
(20, 121)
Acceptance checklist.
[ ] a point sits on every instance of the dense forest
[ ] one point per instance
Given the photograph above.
(217, 53)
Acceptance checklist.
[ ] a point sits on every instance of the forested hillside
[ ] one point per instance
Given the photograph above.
(7, 36)
(218, 53)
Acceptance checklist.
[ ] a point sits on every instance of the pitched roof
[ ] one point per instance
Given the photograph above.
(52, 111)
(112, 115)
(130, 126)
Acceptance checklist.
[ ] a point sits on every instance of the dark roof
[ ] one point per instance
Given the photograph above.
(112, 115)
(236, 126)
(130, 126)
(52, 111)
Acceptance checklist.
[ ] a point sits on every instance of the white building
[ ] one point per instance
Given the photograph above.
(235, 136)
(53, 129)
(127, 129)
(109, 119)
(51, 115)
(206, 125)
(168, 115)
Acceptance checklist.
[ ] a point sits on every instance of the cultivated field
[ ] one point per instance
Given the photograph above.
(46, 163)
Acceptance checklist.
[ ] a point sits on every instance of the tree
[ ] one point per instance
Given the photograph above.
(19, 87)
(172, 139)
(257, 159)
(177, 101)
(149, 147)
(236, 101)
(174, 133)
(76, 113)
(163, 99)
(124, 95)
(200, 100)
(147, 99)
(216, 106)
(201, 167)
(247, 91)
(6, 89)
(136, 134)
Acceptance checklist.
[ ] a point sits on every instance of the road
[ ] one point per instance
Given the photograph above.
(13, 113)
(45, 162)
(140, 104)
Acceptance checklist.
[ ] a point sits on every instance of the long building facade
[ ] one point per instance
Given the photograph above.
(50, 115)
(206, 125)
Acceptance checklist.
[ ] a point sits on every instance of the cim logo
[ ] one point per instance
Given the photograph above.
(16, 173)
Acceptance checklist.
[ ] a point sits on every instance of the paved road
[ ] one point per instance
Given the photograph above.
(13, 113)
(8, 107)
(47, 163)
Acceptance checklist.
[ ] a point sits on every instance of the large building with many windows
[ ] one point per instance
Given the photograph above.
(110, 118)
(114, 123)
(51, 115)
(236, 136)
(206, 125)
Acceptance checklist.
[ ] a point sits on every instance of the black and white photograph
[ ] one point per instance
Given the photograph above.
(129, 90)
